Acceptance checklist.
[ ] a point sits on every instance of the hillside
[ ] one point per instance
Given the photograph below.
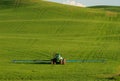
(108, 8)
(34, 30)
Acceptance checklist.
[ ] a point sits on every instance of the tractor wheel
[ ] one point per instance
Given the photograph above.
(61, 61)
(64, 61)
(53, 61)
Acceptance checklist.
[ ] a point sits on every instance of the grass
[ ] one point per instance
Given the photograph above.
(34, 31)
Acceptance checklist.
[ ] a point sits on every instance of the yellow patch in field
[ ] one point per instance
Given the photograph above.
(111, 14)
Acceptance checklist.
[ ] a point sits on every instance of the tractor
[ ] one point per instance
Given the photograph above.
(58, 59)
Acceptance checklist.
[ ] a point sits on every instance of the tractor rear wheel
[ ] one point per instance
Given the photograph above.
(64, 61)
(53, 61)
(61, 61)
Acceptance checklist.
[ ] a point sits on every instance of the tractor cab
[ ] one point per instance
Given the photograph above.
(58, 59)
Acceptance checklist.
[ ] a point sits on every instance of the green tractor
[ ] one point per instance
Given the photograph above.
(58, 59)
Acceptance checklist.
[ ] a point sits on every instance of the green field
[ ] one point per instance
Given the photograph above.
(34, 30)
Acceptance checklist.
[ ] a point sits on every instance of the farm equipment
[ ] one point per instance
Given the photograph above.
(63, 61)
(58, 59)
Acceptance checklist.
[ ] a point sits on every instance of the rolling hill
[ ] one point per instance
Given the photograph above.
(35, 29)
(108, 8)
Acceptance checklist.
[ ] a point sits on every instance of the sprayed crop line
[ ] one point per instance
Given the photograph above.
(17, 29)
(98, 52)
(25, 52)
(32, 42)
(32, 38)
(61, 28)
(73, 20)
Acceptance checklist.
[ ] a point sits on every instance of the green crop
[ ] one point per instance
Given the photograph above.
(35, 30)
